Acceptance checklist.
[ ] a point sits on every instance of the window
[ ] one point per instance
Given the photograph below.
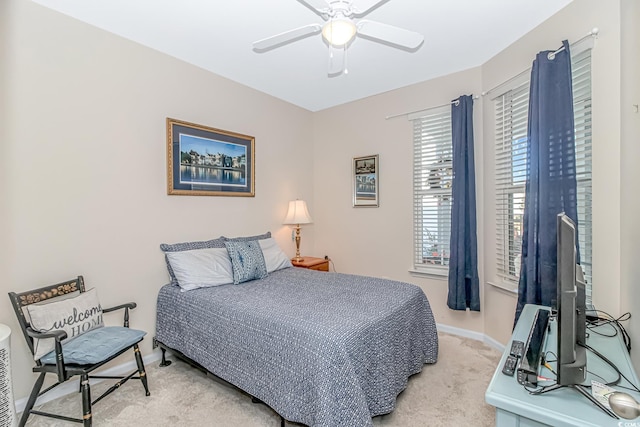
(511, 111)
(432, 177)
(511, 158)
(581, 73)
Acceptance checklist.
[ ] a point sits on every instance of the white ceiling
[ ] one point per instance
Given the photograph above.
(217, 35)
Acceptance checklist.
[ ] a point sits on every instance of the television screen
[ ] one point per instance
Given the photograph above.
(571, 307)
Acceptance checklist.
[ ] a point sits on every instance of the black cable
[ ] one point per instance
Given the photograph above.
(539, 389)
(613, 322)
(552, 353)
(604, 381)
(627, 388)
(592, 328)
(610, 363)
(545, 361)
(592, 325)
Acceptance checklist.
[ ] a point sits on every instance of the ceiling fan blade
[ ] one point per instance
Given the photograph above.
(337, 60)
(390, 34)
(362, 7)
(320, 6)
(286, 37)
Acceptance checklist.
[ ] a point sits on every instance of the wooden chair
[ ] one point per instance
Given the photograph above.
(119, 339)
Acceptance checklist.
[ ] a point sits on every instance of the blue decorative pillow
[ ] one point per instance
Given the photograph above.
(247, 261)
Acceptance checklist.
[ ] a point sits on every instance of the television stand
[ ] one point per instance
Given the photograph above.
(565, 406)
(581, 389)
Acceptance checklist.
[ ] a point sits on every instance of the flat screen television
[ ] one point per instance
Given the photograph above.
(571, 307)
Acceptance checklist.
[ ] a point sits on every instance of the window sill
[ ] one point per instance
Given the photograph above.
(431, 273)
(511, 288)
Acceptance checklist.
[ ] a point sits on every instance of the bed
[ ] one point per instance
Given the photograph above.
(322, 349)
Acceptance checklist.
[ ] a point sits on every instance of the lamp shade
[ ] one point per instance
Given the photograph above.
(298, 213)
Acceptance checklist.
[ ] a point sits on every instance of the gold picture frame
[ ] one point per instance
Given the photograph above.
(205, 161)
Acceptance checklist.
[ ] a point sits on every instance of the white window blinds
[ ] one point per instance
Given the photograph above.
(511, 111)
(511, 157)
(432, 177)
(581, 75)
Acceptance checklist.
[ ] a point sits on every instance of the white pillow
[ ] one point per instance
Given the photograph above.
(75, 316)
(273, 255)
(201, 268)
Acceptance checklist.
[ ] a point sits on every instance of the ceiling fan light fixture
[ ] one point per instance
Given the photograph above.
(339, 31)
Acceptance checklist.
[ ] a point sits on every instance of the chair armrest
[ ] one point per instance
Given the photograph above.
(58, 335)
(127, 306)
(130, 305)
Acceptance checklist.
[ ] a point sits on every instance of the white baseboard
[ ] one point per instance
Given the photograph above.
(73, 386)
(471, 334)
(493, 343)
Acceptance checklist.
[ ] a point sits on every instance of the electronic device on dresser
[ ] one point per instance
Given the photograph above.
(571, 307)
(533, 349)
(571, 364)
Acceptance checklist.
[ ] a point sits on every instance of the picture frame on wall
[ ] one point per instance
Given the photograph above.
(204, 161)
(365, 181)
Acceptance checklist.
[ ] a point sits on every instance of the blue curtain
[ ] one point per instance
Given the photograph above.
(463, 262)
(551, 175)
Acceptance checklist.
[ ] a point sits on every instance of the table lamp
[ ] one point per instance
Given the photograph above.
(296, 215)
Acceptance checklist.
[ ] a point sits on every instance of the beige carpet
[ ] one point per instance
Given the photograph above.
(448, 393)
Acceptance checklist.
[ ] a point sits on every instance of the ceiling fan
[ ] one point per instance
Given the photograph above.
(342, 24)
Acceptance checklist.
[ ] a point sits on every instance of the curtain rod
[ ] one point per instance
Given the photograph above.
(455, 101)
(593, 33)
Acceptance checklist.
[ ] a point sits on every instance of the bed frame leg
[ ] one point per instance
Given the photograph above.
(256, 400)
(164, 361)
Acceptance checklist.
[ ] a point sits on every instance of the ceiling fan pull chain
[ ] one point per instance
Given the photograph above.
(346, 68)
(331, 59)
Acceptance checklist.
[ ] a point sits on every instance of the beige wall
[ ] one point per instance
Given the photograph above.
(379, 241)
(84, 163)
(630, 173)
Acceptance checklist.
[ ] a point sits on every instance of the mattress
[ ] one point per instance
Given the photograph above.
(322, 349)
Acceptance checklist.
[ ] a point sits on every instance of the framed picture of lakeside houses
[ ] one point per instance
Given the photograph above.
(365, 181)
(204, 161)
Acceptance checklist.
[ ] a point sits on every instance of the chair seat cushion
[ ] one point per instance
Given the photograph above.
(96, 345)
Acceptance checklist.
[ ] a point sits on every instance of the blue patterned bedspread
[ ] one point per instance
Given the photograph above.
(322, 349)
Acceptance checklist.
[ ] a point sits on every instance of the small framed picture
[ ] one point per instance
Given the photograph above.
(365, 181)
(204, 161)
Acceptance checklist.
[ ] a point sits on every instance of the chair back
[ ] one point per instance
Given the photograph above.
(42, 295)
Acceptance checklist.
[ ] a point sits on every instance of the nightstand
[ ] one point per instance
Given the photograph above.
(312, 263)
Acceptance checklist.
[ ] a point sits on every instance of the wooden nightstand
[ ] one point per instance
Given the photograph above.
(312, 263)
